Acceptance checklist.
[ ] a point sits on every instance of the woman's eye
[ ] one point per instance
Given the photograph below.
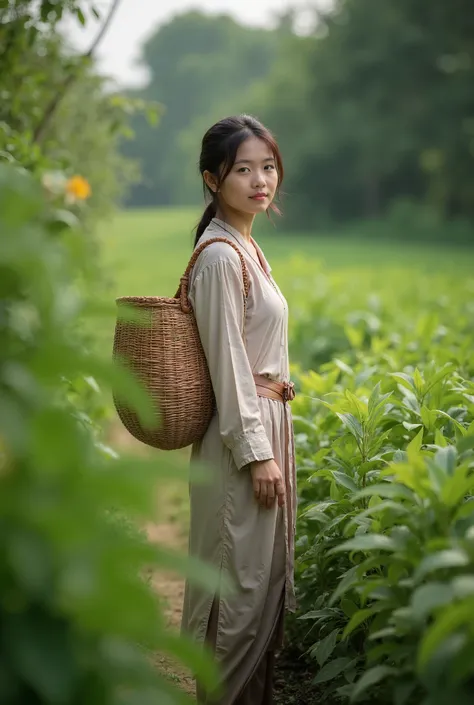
(242, 169)
(271, 167)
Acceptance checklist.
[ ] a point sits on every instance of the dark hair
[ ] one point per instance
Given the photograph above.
(218, 153)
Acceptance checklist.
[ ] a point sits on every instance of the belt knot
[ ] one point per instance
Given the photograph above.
(288, 391)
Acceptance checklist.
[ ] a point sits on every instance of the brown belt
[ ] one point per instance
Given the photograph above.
(280, 391)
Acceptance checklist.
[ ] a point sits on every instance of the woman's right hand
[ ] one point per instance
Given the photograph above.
(268, 483)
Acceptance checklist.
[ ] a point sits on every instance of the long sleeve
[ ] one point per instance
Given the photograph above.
(217, 298)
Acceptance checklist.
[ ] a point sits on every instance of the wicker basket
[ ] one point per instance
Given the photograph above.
(161, 347)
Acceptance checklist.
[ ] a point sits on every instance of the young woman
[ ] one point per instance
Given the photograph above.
(243, 521)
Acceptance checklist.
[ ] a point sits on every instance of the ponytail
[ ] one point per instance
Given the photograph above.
(207, 216)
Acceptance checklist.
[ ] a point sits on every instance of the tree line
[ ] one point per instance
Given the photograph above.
(374, 110)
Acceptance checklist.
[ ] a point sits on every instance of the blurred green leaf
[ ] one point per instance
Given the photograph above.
(429, 597)
(323, 650)
(41, 649)
(371, 677)
(370, 542)
(356, 620)
(387, 489)
(451, 619)
(452, 558)
(333, 669)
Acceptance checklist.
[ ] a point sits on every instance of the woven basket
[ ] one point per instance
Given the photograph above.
(163, 350)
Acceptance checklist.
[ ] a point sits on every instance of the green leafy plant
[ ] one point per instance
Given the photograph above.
(78, 620)
(385, 466)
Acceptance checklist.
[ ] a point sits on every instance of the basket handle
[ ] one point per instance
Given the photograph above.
(182, 292)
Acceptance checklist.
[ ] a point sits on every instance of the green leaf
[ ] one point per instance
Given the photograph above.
(344, 480)
(349, 579)
(448, 621)
(318, 614)
(411, 426)
(444, 372)
(356, 620)
(404, 380)
(332, 670)
(334, 492)
(371, 677)
(381, 507)
(348, 607)
(352, 424)
(416, 443)
(456, 423)
(441, 440)
(358, 406)
(41, 649)
(343, 367)
(369, 542)
(389, 490)
(126, 387)
(465, 510)
(325, 647)
(446, 459)
(403, 691)
(80, 16)
(428, 417)
(197, 660)
(457, 487)
(463, 586)
(381, 651)
(429, 597)
(62, 219)
(29, 557)
(465, 443)
(204, 576)
(383, 633)
(418, 381)
(314, 514)
(442, 560)
(396, 571)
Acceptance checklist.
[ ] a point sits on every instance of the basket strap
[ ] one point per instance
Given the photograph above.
(182, 292)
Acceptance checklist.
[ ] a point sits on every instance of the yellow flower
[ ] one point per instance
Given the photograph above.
(78, 187)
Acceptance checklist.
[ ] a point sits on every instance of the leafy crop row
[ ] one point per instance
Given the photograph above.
(385, 439)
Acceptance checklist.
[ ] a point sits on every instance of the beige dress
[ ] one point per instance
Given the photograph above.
(250, 544)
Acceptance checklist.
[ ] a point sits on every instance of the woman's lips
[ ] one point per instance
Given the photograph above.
(259, 197)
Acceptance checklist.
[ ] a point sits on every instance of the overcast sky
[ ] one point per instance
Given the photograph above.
(136, 19)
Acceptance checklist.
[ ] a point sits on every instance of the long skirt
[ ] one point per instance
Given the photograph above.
(250, 682)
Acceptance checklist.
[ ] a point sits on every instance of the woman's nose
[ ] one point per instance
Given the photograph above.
(259, 179)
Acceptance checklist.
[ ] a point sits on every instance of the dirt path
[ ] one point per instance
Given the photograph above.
(169, 532)
(170, 587)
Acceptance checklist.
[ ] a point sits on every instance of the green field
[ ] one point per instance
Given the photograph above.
(145, 252)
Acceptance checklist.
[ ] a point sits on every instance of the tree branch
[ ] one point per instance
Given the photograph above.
(55, 101)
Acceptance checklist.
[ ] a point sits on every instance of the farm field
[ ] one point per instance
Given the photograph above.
(145, 251)
(382, 336)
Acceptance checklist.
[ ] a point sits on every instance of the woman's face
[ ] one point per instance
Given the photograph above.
(252, 182)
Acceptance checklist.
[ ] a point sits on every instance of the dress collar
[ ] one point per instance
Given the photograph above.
(243, 243)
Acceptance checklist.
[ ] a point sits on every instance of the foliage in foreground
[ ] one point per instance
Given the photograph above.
(78, 621)
(56, 112)
(385, 439)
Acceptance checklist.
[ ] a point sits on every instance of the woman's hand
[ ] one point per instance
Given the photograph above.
(268, 483)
